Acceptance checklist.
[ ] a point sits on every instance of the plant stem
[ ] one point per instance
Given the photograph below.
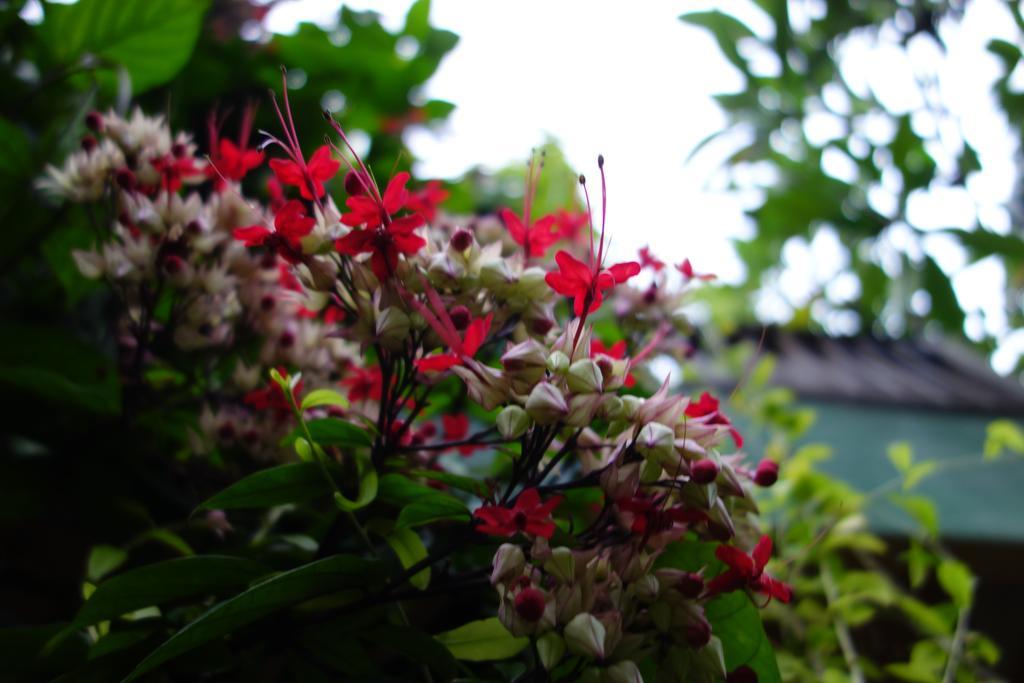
(842, 630)
(957, 646)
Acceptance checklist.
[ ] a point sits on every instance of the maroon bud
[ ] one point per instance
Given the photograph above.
(179, 150)
(267, 302)
(173, 264)
(719, 532)
(416, 439)
(767, 473)
(226, 431)
(697, 633)
(89, 143)
(269, 261)
(94, 121)
(600, 161)
(651, 294)
(606, 365)
(125, 179)
(428, 430)
(286, 340)
(462, 240)
(193, 228)
(356, 183)
(743, 674)
(703, 471)
(530, 605)
(691, 585)
(542, 325)
(251, 436)
(460, 317)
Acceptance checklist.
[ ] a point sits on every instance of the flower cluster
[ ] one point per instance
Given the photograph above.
(389, 298)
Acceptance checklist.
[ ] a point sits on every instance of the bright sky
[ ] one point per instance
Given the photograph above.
(632, 82)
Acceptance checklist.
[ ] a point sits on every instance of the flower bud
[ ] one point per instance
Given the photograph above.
(557, 363)
(697, 633)
(532, 285)
(392, 327)
(94, 121)
(620, 481)
(623, 672)
(583, 408)
(496, 275)
(656, 441)
(612, 408)
(703, 471)
(460, 316)
(524, 365)
(647, 588)
(561, 564)
(546, 404)
(508, 563)
(767, 473)
(512, 422)
(631, 406)
(690, 585)
(743, 674)
(551, 648)
(584, 636)
(530, 604)
(484, 384)
(584, 377)
(461, 240)
(356, 183)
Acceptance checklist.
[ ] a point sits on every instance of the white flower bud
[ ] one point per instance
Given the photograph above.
(512, 422)
(508, 563)
(558, 362)
(583, 408)
(561, 564)
(546, 404)
(631, 406)
(392, 327)
(584, 636)
(550, 647)
(623, 672)
(656, 441)
(584, 377)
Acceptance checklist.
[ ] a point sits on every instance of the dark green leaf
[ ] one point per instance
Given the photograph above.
(330, 431)
(281, 591)
(481, 641)
(164, 582)
(434, 508)
(737, 623)
(291, 483)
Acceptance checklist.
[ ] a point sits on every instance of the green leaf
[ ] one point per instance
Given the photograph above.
(152, 40)
(410, 549)
(901, 456)
(1002, 436)
(292, 483)
(433, 508)
(323, 397)
(482, 641)
(945, 305)
(921, 510)
(104, 559)
(919, 560)
(367, 487)
(164, 582)
(15, 156)
(277, 593)
(737, 623)
(726, 29)
(958, 582)
(918, 472)
(456, 481)
(330, 431)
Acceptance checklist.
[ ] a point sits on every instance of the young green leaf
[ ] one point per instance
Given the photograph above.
(482, 641)
(323, 397)
(434, 508)
(958, 582)
(410, 549)
(330, 431)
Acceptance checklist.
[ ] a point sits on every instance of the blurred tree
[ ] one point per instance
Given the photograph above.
(829, 159)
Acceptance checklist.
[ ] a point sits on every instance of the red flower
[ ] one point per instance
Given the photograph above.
(426, 200)
(271, 397)
(686, 268)
(461, 348)
(467, 347)
(649, 260)
(708, 405)
(569, 224)
(528, 515)
(456, 428)
(385, 237)
(364, 383)
(616, 351)
(320, 168)
(535, 238)
(648, 515)
(587, 284)
(229, 161)
(173, 168)
(291, 224)
(747, 571)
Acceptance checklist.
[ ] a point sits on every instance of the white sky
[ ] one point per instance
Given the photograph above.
(634, 83)
(630, 81)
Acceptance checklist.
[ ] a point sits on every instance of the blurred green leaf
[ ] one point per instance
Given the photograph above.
(292, 483)
(482, 641)
(958, 582)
